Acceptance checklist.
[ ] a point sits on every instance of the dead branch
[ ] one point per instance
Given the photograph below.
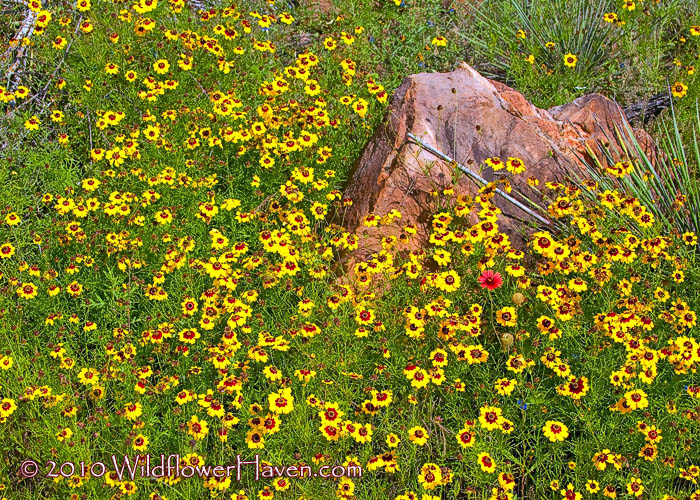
(647, 109)
(20, 49)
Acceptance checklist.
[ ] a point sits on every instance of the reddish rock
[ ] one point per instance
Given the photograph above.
(596, 117)
(318, 6)
(469, 118)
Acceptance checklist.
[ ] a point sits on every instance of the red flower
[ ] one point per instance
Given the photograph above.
(490, 279)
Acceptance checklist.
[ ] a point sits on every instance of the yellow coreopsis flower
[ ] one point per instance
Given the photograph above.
(570, 60)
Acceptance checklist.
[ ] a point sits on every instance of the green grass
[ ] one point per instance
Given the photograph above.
(119, 256)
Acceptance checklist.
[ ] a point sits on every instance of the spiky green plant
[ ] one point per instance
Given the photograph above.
(524, 43)
(665, 181)
(577, 29)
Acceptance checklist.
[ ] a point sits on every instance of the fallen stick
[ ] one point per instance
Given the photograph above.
(25, 31)
(648, 108)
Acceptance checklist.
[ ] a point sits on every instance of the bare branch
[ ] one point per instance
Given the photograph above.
(25, 31)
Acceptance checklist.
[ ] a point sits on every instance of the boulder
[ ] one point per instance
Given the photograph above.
(470, 118)
(317, 7)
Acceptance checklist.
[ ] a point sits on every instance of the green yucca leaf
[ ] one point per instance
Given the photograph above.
(666, 184)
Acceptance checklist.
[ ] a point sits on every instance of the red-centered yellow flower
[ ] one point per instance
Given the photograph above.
(329, 43)
(507, 316)
(475, 354)
(281, 402)
(486, 462)
(12, 219)
(59, 43)
(161, 66)
(430, 476)
(365, 316)
(360, 107)
(490, 417)
(555, 430)
(7, 407)
(466, 437)
(448, 281)
(32, 123)
(86, 26)
(64, 434)
(515, 165)
(27, 290)
(392, 440)
(74, 289)
(418, 435)
(636, 399)
(439, 41)
(330, 432)
(189, 306)
(132, 411)
(570, 493)
(635, 487)
(331, 413)
(592, 486)
(505, 386)
(197, 428)
(163, 217)
(420, 378)
(140, 443)
(7, 250)
(679, 89)
(189, 335)
(610, 17)
(570, 60)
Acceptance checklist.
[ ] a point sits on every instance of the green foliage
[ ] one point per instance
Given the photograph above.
(665, 180)
(112, 227)
(628, 58)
